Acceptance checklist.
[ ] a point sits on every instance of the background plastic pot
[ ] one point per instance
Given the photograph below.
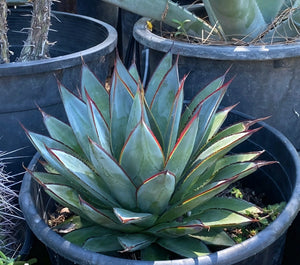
(278, 182)
(23, 86)
(266, 78)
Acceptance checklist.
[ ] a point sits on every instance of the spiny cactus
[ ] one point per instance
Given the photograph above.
(37, 46)
(9, 213)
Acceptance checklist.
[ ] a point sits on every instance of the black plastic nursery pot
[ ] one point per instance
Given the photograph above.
(266, 78)
(277, 182)
(26, 85)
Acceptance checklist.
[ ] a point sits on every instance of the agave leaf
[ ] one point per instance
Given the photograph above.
(128, 217)
(44, 178)
(154, 194)
(208, 108)
(183, 148)
(135, 74)
(84, 176)
(81, 235)
(128, 80)
(91, 84)
(185, 246)
(103, 243)
(66, 196)
(287, 30)
(104, 217)
(117, 182)
(142, 156)
(62, 132)
(133, 242)
(48, 168)
(76, 111)
(236, 19)
(212, 187)
(48, 178)
(137, 112)
(233, 129)
(216, 123)
(155, 252)
(236, 158)
(270, 8)
(207, 158)
(162, 69)
(100, 126)
(203, 94)
(232, 204)
(165, 10)
(237, 168)
(223, 218)
(215, 237)
(121, 98)
(41, 143)
(224, 145)
(295, 3)
(162, 103)
(174, 120)
(99, 216)
(177, 229)
(194, 200)
(208, 174)
(153, 125)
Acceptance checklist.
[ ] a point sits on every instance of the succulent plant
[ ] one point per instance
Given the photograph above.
(264, 21)
(142, 172)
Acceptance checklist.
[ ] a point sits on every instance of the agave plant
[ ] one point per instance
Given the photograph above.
(253, 20)
(140, 171)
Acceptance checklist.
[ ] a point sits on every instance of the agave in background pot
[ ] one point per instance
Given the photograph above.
(142, 174)
(264, 61)
(26, 85)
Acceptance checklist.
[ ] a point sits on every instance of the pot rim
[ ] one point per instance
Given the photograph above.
(230, 255)
(218, 52)
(55, 63)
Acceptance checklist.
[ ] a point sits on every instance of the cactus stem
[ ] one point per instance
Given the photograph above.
(37, 46)
(4, 53)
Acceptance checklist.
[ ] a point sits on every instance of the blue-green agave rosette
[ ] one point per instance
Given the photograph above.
(141, 171)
